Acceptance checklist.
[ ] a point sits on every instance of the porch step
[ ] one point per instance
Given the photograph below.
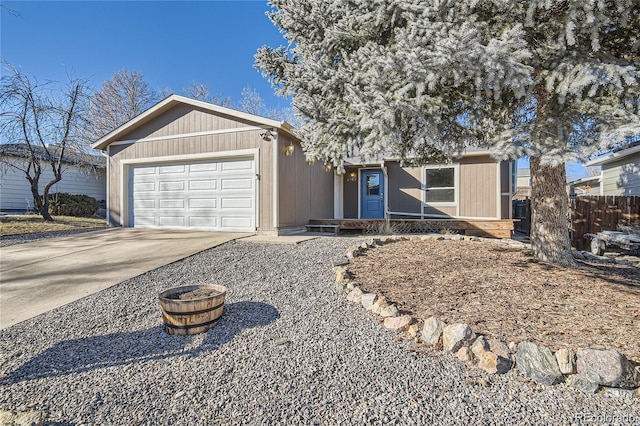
(335, 229)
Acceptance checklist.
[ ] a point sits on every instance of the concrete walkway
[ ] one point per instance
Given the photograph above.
(40, 276)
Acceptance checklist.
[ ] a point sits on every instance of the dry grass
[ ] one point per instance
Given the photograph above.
(502, 291)
(31, 224)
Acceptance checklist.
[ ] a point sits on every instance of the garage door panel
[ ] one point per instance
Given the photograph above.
(200, 203)
(172, 221)
(237, 203)
(172, 186)
(179, 169)
(214, 195)
(237, 183)
(144, 186)
(144, 204)
(144, 220)
(203, 167)
(171, 204)
(235, 165)
(232, 222)
(203, 221)
(203, 185)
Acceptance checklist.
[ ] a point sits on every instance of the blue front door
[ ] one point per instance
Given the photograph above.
(372, 194)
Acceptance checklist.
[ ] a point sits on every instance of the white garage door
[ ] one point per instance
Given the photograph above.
(216, 195)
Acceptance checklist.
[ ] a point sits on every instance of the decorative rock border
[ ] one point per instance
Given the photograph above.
(589, 370)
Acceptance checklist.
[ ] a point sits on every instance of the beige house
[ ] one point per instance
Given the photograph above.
(188, 164)
(620, 171)
(473, 186)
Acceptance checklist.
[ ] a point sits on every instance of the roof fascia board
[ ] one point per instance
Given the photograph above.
(614, 156)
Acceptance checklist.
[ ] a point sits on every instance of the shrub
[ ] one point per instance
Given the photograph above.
(62, 204)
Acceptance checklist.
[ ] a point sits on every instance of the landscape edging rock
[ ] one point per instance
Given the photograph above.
(476, 351)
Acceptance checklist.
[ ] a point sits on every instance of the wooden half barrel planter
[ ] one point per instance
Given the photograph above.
(191, 309)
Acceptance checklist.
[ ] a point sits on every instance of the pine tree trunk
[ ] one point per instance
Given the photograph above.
(550, 240)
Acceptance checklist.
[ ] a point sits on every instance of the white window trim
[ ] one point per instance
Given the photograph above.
(456, 187)
(126, 164)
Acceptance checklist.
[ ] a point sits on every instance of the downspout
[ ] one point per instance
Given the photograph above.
(108, 213)
(276, 183)
(385, 198)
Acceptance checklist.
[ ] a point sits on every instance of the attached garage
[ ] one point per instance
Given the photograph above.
(216, 195)
(186, 164)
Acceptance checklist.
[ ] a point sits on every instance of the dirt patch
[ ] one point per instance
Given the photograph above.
(33, 224)
(502, 291)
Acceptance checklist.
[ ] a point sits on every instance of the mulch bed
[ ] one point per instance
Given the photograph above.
(502, 291)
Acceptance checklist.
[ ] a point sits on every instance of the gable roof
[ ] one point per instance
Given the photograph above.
(174, 100)
(71, 157)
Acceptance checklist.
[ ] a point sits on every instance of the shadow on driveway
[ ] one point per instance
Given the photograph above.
(117, 349)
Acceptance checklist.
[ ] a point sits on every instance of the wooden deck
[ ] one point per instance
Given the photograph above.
(493, 228)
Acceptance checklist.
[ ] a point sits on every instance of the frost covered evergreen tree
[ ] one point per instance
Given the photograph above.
(423, 79)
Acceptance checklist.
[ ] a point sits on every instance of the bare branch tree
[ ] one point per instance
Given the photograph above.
(202, 92)
(120, 99)
(42, 124)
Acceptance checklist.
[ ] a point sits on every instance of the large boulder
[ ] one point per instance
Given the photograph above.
(398, 323)
(538, 363)
(367, 300)
(566, 358)
(355, 295)
(607, 367)
(455, 336)
(432, 331)
(493, 363)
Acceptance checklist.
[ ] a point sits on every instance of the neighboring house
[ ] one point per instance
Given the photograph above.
(620, 170)
(193, 165)
(523, 184)
(590, 185)
(82, 174)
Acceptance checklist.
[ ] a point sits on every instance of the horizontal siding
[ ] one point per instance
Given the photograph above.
(622, 177)
(15, 192)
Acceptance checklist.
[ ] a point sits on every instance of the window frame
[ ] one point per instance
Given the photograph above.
(455, 187)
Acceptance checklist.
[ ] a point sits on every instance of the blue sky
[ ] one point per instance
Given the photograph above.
(171, 42)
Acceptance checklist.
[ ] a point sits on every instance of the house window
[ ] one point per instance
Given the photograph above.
(440, 184)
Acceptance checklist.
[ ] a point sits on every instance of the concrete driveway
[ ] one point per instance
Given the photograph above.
(40, 276)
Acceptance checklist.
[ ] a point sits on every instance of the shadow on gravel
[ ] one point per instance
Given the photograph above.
(119, 349)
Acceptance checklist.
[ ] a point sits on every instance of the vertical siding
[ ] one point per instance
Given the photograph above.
(405, 188)
(478, 187)
(181, 120)
(305, 191)
(622, 177)
(350, 195)
(15, 192)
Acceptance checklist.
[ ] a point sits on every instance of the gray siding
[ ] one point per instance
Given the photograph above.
(622, 177)
(350, 195)
(15, 193)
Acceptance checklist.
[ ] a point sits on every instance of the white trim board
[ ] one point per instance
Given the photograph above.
(188, 135)
(124, 166)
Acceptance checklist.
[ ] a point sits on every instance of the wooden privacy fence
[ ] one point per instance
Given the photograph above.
(592, 214)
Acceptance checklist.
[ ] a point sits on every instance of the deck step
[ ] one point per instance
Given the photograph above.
(335, 229)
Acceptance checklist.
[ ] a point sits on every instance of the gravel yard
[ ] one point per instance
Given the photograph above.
(289, 349)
